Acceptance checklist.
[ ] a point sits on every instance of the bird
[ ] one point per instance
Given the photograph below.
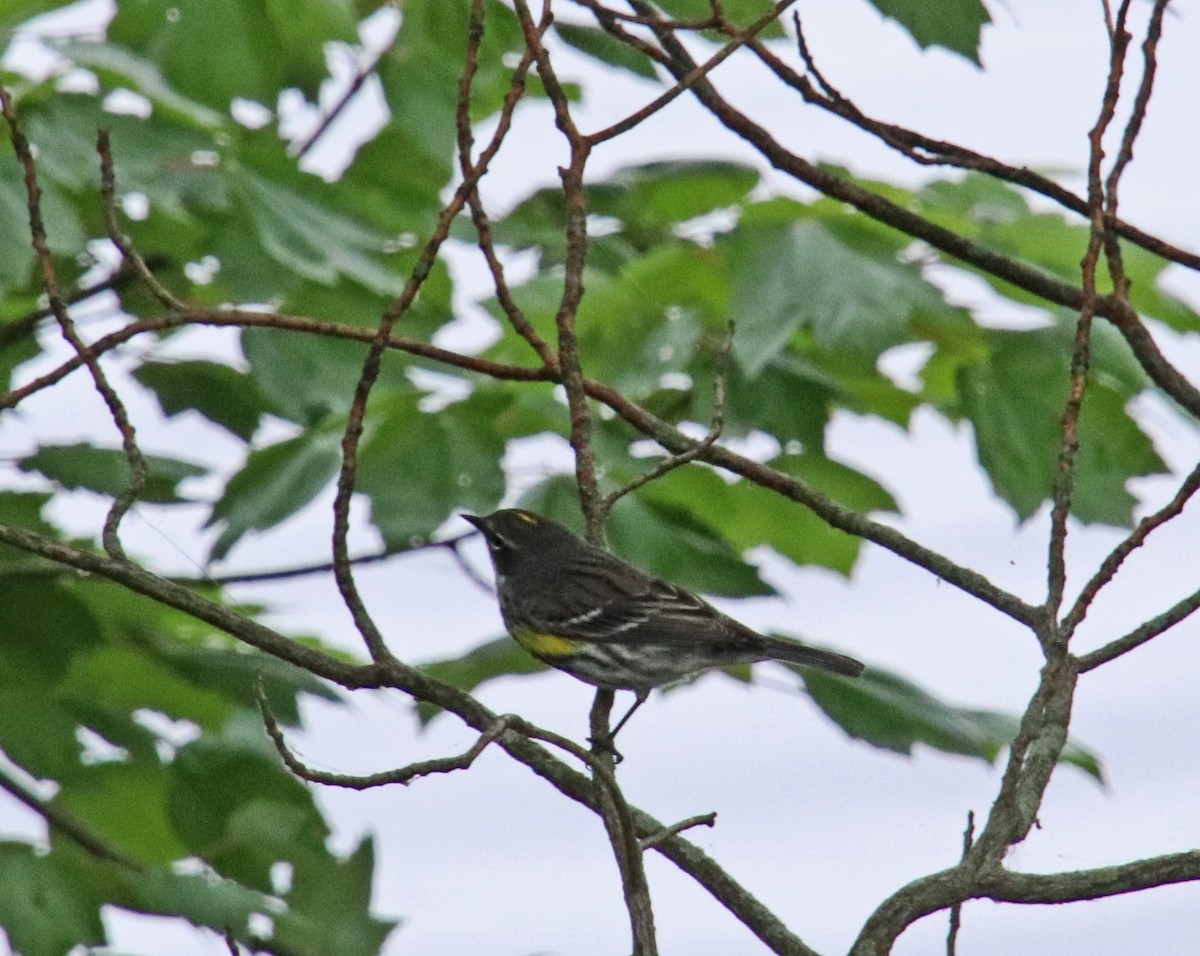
(581, 609)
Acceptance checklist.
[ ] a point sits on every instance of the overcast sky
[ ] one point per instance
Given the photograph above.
(493, 861)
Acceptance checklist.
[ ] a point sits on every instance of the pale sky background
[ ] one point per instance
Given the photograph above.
(493, 861)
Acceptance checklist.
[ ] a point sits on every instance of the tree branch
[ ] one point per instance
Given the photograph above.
(45, 260)
(882, 210)
(689, 858)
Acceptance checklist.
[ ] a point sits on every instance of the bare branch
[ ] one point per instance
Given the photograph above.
(130, 257)
(928, 151)
(956, 908)
(690, 859)
(576, 256)
(1029, 278)
(1136, 539)
(1141, 102)
(479, 217)
(371, 365)
(323, 567)
(739, 40)
(618, 822)
(700, 820)
(1064, 475)
(642, 420)
(1094, 884)
(401, 775)
(45, 260)
(1140, 635)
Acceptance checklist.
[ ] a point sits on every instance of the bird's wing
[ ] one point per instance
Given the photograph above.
(597, 599)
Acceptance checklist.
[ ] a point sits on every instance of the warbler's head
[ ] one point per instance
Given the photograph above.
(517, 538)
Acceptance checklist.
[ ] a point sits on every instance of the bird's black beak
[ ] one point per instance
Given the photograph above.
(476, 520)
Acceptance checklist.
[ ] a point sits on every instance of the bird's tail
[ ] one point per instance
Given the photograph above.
(793, 652)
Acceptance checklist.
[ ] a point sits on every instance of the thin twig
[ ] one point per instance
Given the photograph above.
(1140, 635)
(1141, 101)
(1034, 280)
(361, 75)
(370, 373)
(116, 408)
(697, 24)
(576, 256)
(521, 746)
(700, 820)
(717, 425)
(324, 567)
(675, 441)
(479, 217)
(129, 255)
(1064, 476)
(928, 151)
(401, 775)
(19, 329)
(956, 908)
(618, 822)
(467, 568)
(1112, 563)
(685, 83)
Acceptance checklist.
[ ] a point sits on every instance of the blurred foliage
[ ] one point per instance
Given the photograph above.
(143, 720)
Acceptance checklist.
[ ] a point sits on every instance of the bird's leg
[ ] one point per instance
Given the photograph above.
(604, 743)
(638, 701)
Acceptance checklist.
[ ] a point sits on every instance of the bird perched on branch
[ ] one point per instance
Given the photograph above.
(576, 607)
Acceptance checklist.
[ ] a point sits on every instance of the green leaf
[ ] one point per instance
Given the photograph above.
(953, 24)
(106, 471)
(750, 516)
(1006, 727)
(843, 484)
(235, 673)
(37, 732)
(607, 49)
(122, 68)
(126, 805)
(216, 50)
(43, 910)
(329, 908)
(64, 233)
(310, 239)
(275, 483)
(223, 395)
(14, 12)
(741, 12)
(329, 369)
(417, 467)
(676, 191)
(890, 712)
(496, 658)
(234, 804)
(129, 678)
(802, 277)
(1015, 402)
(203, 899)
(43, 626)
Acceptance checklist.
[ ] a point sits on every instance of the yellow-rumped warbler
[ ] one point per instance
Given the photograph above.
(586, 612)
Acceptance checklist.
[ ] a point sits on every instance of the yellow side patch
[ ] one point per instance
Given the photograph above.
(545, 645)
